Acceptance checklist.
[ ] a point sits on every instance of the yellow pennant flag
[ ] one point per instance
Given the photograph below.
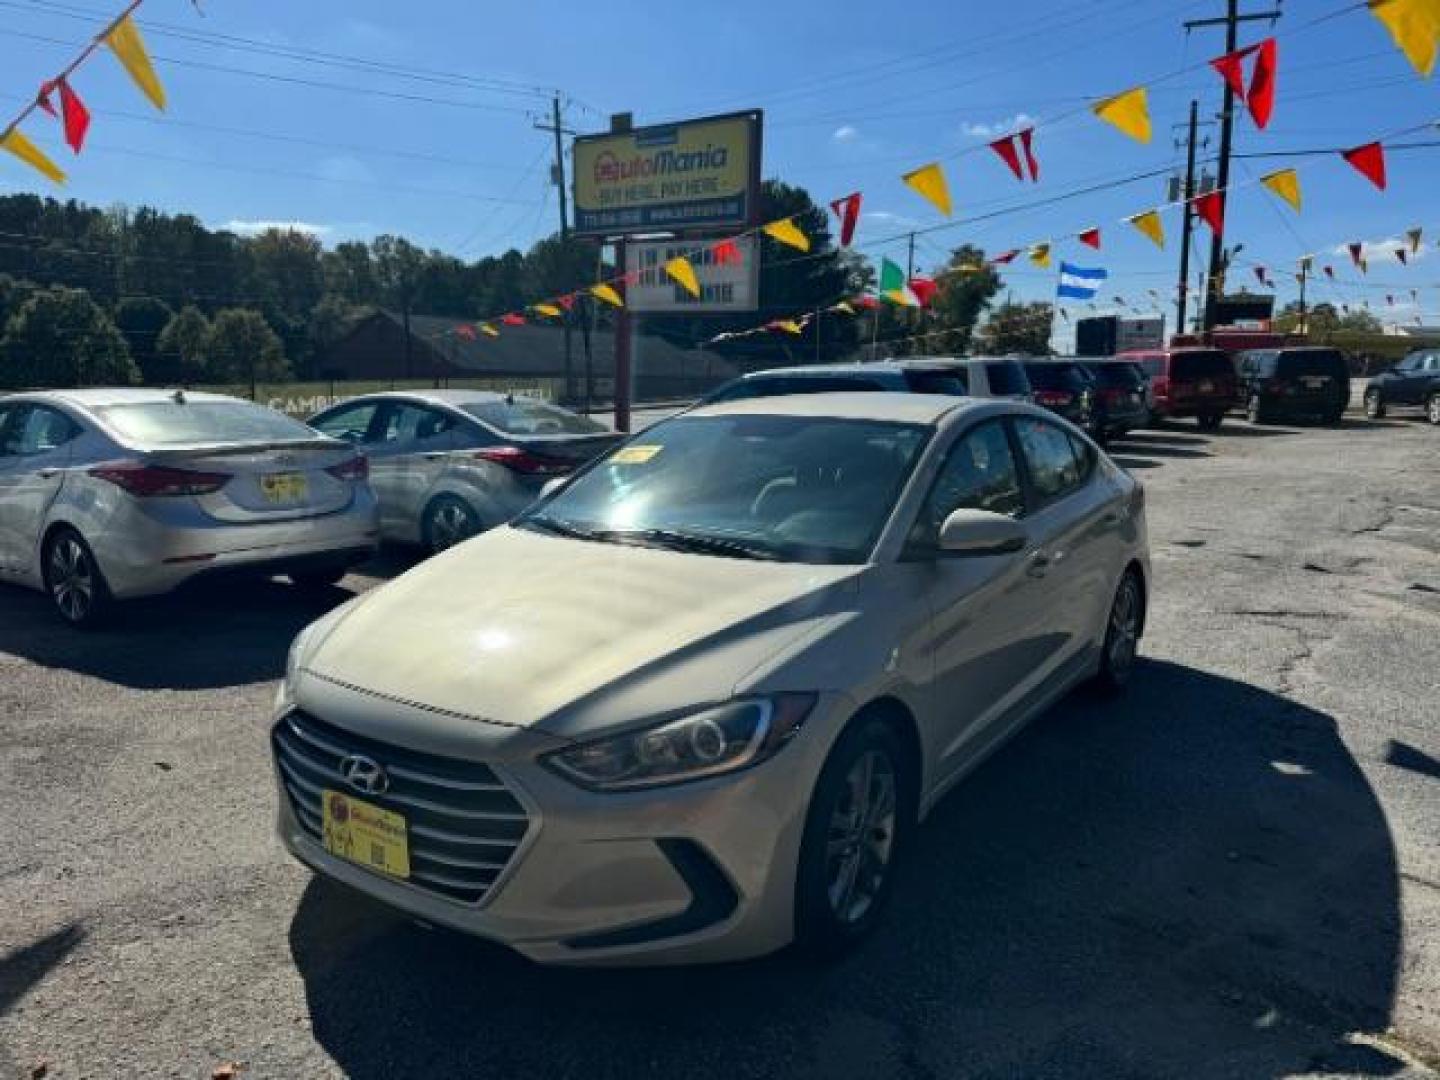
(844, 306)
(790, 326)
(15, 141)
(608, 294)
(1415, 26)
(680, 269)
(929, 181)
(1286, 184)
(1150, 224)
(548, 309)
(129, 48)
(1040, 255)
(1130, 112)
(488, 330)
(787, 232)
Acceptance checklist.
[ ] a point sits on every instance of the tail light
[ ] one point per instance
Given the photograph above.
(523, 461)
(1054, 397)
(354, 469)
(156, 481)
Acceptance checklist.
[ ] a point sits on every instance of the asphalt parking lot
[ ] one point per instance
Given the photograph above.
(1234, 872)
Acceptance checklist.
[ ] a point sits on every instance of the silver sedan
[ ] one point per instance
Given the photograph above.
(448, 464)
(107, 495)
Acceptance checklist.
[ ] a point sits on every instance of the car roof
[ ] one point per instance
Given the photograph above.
(120, 395)
(435, 397)
(848, 405)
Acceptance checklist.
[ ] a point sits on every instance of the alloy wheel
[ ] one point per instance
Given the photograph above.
(451, 523)
(1373, 407)
(1123, 640)
(1432, 409)
(861, 837)
(72, 578)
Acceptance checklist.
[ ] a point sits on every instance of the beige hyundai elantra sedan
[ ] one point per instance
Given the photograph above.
(692, 705)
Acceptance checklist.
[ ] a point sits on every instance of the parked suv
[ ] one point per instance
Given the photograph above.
(1066, 388)
(1121, 397)
(982, 377)
(1310, 383)
(1194, 382)
(1412, 383)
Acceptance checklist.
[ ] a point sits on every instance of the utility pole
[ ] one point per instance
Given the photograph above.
(557, 176)
(910, 314)
(1303, 277)
(1189, 193)
(1231, 22)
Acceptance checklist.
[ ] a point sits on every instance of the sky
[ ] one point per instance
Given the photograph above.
(418, 119)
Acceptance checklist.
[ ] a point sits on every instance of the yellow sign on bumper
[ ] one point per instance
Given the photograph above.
(366, 834)
(284, 487)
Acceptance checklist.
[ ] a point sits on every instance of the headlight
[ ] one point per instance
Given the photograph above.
(718, 740)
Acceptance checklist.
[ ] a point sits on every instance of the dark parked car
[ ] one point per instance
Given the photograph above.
(1412, 383)
(1194, 382)
(1296, 383)
(985, 377)
(1066, 388)
(1120, 400)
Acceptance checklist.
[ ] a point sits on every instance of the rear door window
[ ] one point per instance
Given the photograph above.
(1007, 380)
(954, 381)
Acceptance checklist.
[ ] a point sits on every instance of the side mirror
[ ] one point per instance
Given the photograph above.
(980, 532)
(552, 485)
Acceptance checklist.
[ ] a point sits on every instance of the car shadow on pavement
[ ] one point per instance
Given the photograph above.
(22, 969)
(210, 635)
(1194, 881)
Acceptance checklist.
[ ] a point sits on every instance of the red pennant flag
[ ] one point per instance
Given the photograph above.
(513, 319)
(1231, 67)
(1369, 162)
(466, 332)
(866, 301)
(566, 302)
(725, 252)
(1357, 254)
(924, 289)
(1403, 256)
(1090, 237)
(43, 98)
(1329, 272)
(1006, 149)
(76, 116)
(1027, 142)
(1211, 209)
(1260, 97)
(1260, 275)
(848, 211)
(1005, 257)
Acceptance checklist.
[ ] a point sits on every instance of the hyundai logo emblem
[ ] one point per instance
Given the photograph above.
(364, 775)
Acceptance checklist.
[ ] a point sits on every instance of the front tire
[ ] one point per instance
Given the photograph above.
(448, 521)
(1210, 421)
(1374, 405)
(859, 820)
(1122, 635)
(1432, 408)
(74, 582)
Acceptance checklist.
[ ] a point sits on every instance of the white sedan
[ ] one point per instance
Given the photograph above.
(691, 705)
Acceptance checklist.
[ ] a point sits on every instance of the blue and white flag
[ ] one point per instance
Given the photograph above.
(1079, 283)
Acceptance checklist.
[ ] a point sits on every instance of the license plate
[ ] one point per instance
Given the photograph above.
(284, 487)
(365, 834)
(1206, 386)
(1314, 382)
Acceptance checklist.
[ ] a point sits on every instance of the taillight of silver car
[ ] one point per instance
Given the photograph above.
(522, 461)
(354, 469)
(157, 481)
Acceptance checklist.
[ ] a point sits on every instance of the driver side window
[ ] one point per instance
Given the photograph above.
(979, 474)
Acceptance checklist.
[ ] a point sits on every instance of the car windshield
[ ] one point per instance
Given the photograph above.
(530, 416)
(789, 488)
(1293, 365)
(187, 423)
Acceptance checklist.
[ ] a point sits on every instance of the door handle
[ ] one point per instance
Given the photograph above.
(49, 473)
(435, 455)
(1111, 518)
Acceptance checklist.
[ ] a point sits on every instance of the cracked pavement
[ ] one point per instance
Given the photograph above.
(1233, 872)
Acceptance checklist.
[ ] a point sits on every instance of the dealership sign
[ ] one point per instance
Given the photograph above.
(731, 286)
(696, 174)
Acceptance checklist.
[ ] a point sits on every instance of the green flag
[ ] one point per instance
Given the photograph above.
(892, 278)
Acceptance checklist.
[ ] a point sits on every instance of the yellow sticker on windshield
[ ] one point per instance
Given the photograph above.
(638, 454)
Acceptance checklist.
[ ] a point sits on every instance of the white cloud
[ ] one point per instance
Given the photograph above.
(254, 228)
(845, 133)
(980, 130)
(1377, 250)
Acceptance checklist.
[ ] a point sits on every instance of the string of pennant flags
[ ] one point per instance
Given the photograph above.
(1251, 73)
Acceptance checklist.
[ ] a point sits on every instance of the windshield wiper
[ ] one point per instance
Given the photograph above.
(560, 527)
(698, 544)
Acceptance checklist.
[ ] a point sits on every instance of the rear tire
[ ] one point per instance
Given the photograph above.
(1210, 421)
(1432, 408)
(74, 582)
(857, 826)
(1122, 635)
(448, 521)
(1374, 405)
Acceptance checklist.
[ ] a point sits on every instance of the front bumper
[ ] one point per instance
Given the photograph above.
(692, 873)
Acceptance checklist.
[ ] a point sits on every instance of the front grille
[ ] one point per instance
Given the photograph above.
(464, 824)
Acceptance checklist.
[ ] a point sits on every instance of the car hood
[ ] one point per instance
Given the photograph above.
(570, 636)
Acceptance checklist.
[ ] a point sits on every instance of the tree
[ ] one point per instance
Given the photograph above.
(1018, 328)
(142, 319)
(330, 320)
(397, 271)
(60, 337)
(1322, 320)
(242, 348)
(967, 285)
(182, 347)
(288, 270)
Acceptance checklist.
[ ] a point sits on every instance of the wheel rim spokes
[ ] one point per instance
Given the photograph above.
(861, 837)
(71, 581)
(452, 525)
(1124, 628)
